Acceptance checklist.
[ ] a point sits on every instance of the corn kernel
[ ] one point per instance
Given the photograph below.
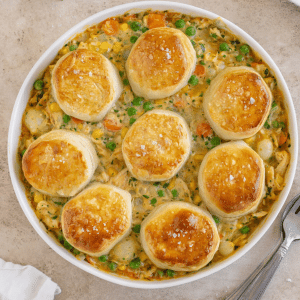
(54, 107)
(143, 256)
(239, 225)
(124, 26)
(122, 268)
(112, 172)
(123, 132)
(160, 101)
(193, 185)
(198, 156)
(97, 133)
(64, 51)
(117, 47)
(185, 89)
(105, 46)
(38, 197)
(197, 199)
(172, 184)
(80, 126)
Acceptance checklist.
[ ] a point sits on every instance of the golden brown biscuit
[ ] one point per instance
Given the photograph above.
(97, 218)
(237, 103)
(157, 145)
(231, 180)
(160, 63)
(60, 163)
(85, 84)
(179, 236)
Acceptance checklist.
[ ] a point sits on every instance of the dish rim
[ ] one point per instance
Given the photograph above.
(45, 60)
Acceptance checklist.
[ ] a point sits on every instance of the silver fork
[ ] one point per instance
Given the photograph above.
(255, 285)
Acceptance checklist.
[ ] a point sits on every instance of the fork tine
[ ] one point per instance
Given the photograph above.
(295, 205)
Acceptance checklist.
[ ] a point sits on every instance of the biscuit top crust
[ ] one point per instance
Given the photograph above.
(95, 218)
(240, 102)
(180, 237)
(82, 82)
(158, 60)
(54, 166)
(156, 144)
(233, 178)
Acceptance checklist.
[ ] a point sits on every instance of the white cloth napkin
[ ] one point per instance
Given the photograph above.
(25, 283)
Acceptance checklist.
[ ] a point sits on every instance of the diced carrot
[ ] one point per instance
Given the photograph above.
(156, 20)
(77, 121)
(179, 103)
(111, 125)
(129, 17)
(200, 71)
(282, 138)
(254, 64)
(203, 129)
(111, 27)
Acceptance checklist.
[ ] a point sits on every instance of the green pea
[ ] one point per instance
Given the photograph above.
(132, 120)
(245, 49)
(103, 258)
(216, 219)
(239, 58)
(224, 47)
(137, 101)
(135, 263)
(215, 141)
(111, 146)
(174, 193)
(267, 125)
(38, 84)
(66, 119)
(23, 152)
(153, 201)
(170, 273)
(147, 106)
(135, 26)
(275, 124)
(121, 73)
(193, 80)
(180, 23)
(76, 252)
(133, 39)
(112, 266)
(244, 229)
(136, 228)
(131, 111)
(73, 47)
(208, 81)
(126, 82)
(67, 245)
(160, 193)
(190, 31)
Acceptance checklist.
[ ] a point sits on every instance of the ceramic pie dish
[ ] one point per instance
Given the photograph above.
(45, 60)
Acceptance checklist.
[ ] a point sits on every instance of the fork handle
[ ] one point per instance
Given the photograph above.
(255, 285)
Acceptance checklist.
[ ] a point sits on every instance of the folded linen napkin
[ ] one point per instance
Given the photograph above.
(25, 283)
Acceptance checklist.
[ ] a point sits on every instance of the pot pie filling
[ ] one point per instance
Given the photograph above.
(216, 49)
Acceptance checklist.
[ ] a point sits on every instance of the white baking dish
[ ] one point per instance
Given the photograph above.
(44, 61)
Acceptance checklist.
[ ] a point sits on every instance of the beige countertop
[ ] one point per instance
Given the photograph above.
(27, 29)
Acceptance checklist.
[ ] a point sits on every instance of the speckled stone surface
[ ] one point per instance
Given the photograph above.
(27, 29)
